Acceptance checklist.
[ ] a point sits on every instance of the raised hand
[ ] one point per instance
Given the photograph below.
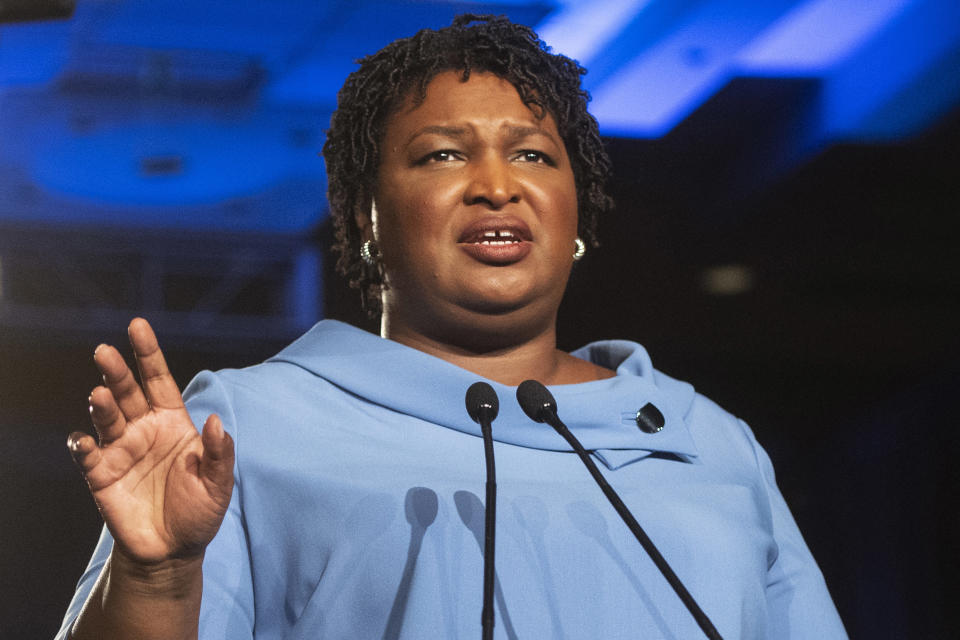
(161, 487)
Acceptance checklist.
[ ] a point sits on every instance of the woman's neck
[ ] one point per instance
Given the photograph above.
(534, 357)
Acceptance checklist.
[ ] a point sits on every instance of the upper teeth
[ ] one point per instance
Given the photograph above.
(498, 236)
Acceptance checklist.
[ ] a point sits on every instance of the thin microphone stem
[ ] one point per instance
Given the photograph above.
(554, 421)
(482, 405)
(489, 531)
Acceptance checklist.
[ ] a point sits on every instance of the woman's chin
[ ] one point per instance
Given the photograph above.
(480, 304)
(497, 303)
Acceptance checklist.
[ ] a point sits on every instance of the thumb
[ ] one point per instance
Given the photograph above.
(216, 466)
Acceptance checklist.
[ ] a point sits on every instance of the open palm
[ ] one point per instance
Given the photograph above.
(161, 487)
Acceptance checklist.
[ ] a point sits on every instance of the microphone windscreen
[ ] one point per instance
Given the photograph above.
(481, 395)
(534, 399)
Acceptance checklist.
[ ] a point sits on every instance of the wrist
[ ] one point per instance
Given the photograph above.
(174, 578)
(147, 601)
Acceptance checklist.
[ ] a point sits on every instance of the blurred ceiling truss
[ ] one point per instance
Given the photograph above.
(210, 290)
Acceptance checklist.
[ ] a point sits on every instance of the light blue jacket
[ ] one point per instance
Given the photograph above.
(358, 508)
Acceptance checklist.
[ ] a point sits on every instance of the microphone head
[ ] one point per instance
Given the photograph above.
(536, 400)
(481, 397)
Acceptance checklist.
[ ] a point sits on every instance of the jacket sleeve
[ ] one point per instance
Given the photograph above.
(798, 604)
(227, 609)
(89, 578)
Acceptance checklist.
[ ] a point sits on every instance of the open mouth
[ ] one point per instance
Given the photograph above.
(496, 231)
(497, 240)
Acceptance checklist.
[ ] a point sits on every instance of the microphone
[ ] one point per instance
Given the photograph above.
(538, 403)
(482, 403)
(483, 406)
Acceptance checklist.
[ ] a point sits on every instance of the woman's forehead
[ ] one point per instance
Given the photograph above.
(450, 101)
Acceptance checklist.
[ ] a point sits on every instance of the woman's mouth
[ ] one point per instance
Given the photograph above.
(497, 241)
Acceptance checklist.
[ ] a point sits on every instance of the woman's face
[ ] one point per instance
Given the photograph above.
(475, 210)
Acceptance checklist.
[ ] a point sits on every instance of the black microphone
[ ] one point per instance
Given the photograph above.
(483, 406)
(538, 403)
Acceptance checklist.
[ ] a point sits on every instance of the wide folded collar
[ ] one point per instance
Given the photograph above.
(602, 413)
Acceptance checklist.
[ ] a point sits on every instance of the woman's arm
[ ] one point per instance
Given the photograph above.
(798, 603)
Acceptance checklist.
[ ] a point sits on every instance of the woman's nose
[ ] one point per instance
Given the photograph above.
(492, 182)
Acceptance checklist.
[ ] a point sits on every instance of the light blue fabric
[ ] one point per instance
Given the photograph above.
(358, 507)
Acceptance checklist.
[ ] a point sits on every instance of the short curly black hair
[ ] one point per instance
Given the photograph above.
(546, 82)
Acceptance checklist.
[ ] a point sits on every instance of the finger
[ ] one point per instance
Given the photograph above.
(158, 385)
(217, 463)
(119, 379)
(106, 416)
(83, 450)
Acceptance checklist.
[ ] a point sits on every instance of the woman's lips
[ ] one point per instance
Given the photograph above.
(497, 240)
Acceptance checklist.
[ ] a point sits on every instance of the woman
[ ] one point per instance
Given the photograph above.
(333, 490)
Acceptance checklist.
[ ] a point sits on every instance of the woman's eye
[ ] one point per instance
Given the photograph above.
(443, 155)
(530, 155)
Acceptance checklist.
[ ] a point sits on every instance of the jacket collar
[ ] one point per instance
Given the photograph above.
(601, 413)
